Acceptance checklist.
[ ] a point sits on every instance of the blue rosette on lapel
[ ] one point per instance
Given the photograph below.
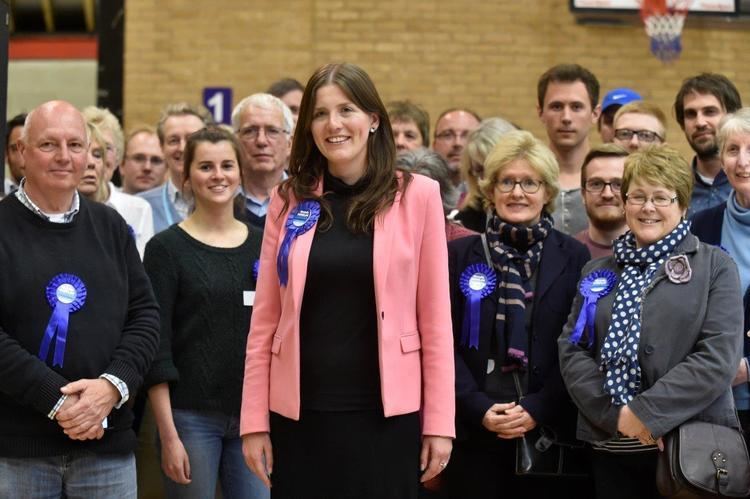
(477, 281)
(66, 294)
(301, 219)
(595, 285)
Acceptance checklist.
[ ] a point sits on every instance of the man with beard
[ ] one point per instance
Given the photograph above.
(601, 179)
(702, 102)
(567, 97)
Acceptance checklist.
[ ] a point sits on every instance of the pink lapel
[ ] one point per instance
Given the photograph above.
(382, 240)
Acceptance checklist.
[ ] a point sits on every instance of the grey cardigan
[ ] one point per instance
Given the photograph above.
(690, 346)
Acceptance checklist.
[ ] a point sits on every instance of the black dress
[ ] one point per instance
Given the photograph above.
(342, 446)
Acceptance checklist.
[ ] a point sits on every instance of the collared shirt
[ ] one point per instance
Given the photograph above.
(180, 202)
(67, 217)
(254, 205)
(59, 218)
(707, 195)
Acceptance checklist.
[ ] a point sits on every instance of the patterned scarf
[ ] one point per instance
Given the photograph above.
(620, 349)
(515, 251)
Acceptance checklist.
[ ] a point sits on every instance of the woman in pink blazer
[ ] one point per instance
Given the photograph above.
(349, 363)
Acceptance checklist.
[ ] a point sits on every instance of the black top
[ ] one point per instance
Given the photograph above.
(114, 332)
(204, 321)
(338, 323)
(472, 218)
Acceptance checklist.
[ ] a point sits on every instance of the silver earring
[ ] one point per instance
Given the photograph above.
(372, 130)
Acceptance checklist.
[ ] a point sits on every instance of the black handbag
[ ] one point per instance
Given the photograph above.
(703, 460)
(540, 453)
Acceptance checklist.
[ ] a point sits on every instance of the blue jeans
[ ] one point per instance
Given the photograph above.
(214, 448)
(79, 475)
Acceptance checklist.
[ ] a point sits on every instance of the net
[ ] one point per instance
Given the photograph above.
(664, 20)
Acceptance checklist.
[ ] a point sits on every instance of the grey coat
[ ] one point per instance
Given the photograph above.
(690, 346)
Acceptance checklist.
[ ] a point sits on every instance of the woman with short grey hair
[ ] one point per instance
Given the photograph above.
(431, 164)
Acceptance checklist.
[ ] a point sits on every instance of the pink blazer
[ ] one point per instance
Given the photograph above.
(415, 341)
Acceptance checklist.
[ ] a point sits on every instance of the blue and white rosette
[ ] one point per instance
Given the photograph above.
(301, 219)
(477, 281)
(595, 285)
(66, 294)
(256, 270)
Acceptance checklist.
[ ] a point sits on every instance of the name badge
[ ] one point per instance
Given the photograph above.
(248, 298)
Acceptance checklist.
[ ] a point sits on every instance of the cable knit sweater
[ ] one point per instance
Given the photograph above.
(204, 321)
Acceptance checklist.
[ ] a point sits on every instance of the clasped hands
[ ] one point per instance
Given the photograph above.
(508, 420)
(89, 401)
(629, 425)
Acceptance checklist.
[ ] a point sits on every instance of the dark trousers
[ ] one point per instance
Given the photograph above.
(625, 476)
(488, 471)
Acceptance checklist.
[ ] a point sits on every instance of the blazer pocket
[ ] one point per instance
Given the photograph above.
(411, 342)
(276, 345)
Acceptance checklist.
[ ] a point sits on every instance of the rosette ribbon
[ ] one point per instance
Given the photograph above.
(595, 285)
(477, 281)
(301, 219)
(66, 294)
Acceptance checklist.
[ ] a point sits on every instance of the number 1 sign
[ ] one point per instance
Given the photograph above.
(218, 100)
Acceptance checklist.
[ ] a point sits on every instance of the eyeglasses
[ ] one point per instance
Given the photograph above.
(659, 200)
(643, 135)
(596, 185)
(142, 159)
(528, 185)
(252, 132)
(451, 135)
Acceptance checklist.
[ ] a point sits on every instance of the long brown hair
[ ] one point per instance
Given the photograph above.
(307, 164)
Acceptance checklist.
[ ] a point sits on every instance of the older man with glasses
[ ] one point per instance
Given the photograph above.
(264, 124)
(639, 124)
(452, 131)
(601, 181)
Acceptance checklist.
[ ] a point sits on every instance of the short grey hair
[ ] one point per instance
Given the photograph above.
(263, 101)
(432, 165)
(732, 124)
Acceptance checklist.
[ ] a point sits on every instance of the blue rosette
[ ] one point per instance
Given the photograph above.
(256, 270)
(477, 281)
(595, 285)
(66, 294)
(301, 219)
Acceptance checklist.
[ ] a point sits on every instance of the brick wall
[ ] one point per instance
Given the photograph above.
(483, 54)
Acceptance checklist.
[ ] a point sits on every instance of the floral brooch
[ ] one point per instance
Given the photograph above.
(678, 269)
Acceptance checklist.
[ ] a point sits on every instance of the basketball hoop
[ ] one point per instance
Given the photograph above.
(664, 20)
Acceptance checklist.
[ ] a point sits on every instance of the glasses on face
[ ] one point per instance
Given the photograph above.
(528, 185)
(596, 185)
(252, 132)
(626, 134)
(142, 159)
(451, 135)
(659, 200)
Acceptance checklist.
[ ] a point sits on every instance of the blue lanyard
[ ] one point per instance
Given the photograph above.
(166, 203)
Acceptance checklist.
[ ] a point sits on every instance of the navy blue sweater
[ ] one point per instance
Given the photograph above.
(115, 332)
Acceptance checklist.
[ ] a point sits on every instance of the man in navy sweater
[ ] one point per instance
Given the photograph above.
(78, 325)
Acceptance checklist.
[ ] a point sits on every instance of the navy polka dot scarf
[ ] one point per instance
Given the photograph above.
(620, 348)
